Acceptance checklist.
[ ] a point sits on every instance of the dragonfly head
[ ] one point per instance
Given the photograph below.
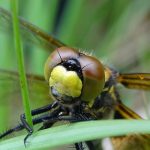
(73, 75)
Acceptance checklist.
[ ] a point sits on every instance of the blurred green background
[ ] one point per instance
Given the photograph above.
(117, 32)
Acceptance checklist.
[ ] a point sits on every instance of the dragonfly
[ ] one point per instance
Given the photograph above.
(69, 76)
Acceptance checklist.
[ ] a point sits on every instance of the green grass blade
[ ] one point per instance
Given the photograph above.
(72, 133)
(20, 59)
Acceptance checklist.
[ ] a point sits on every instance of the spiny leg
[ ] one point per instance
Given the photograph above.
(79, 146)
(75, 118)
(17, 128)
(51, 116)
(33, 112)
(49, 119)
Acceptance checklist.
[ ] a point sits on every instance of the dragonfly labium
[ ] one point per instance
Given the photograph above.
(82, 89)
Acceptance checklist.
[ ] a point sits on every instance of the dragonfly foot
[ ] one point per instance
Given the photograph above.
(25, 139)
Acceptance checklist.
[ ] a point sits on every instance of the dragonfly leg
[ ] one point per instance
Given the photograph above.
(48, 123)
(79, 146)
(44, 109)
(84, 145)
(37, 120)
(36, 112)
(17, 128)
(21, 126)
(27, 127)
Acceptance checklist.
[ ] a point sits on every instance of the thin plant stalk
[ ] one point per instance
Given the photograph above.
(19, 52)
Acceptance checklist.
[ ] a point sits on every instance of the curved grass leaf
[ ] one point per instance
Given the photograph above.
(72, 133)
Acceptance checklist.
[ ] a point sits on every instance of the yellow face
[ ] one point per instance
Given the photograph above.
(65, 82)
(73, 75)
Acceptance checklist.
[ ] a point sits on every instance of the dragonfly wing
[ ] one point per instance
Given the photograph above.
(29, 32)
(135, 80)
(10, 93)
(129, 142)
(123, 112)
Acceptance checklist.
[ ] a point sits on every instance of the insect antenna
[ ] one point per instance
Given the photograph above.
(85, 66)
(59, 55)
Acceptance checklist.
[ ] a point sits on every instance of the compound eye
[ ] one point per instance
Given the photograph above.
(58, 56)
(93, 77)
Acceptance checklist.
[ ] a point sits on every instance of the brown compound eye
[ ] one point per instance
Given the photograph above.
(58, 56)
(87, 68)
(93, 75)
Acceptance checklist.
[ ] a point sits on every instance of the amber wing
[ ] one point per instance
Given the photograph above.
(135, 80)
(29, 32)
(10, 93)
(129, 142)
